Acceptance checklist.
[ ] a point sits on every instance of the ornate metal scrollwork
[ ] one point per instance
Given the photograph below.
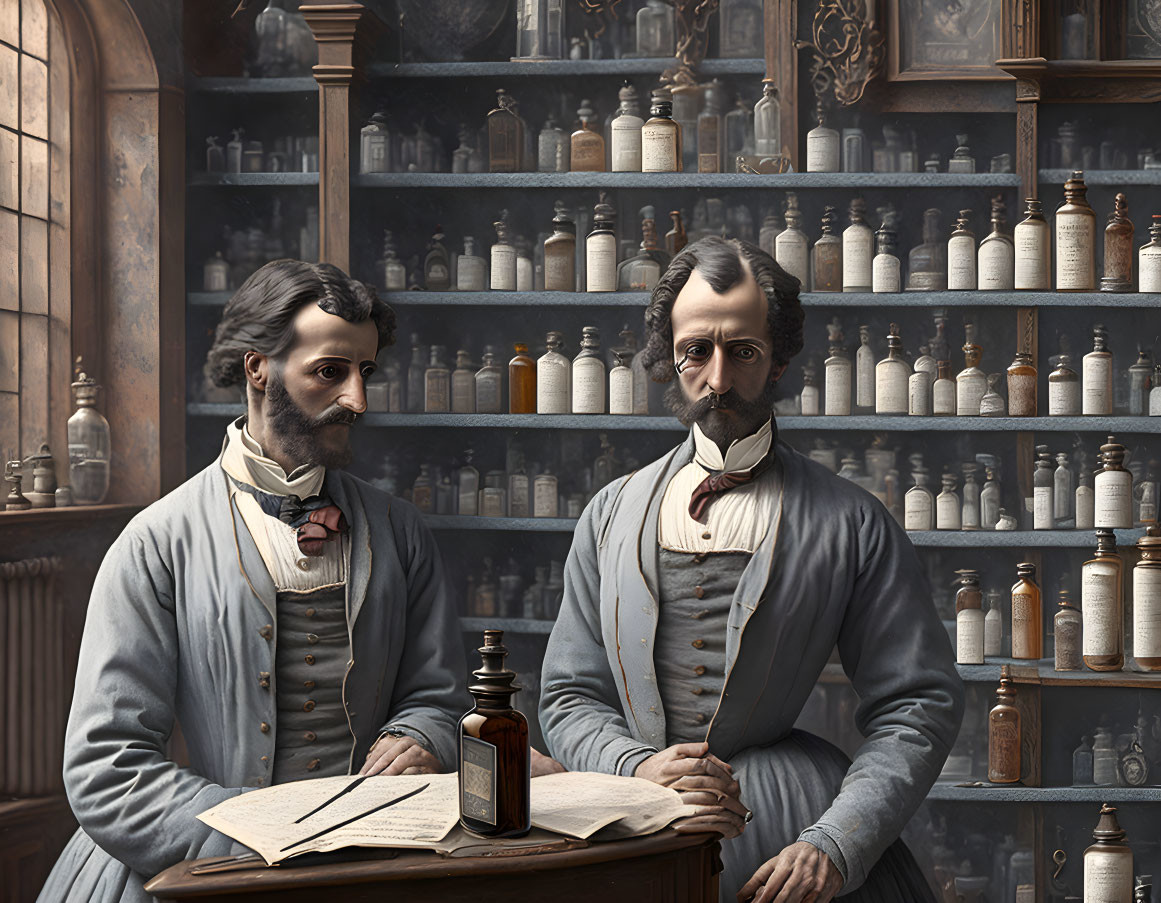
(848, 50)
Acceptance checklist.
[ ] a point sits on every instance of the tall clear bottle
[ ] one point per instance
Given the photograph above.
(837, 374)
(554, 378)
(655, 29)
(553, 149)
(996, 269)
(89, 445)
(711, 132)
(961, 255)
(1102, 606)
(1140, 383)
(993, 626)
(1033, 250)
(1075, 226)
(919, 501)
(927, 261)
(588, 375)
(1043, 491)
(1064, 493)
(792, 247)
(948, 509)
(463, 384)
(1066, 630)
(1147, 601)
(990, 498)
(891, 377)
(1097, 376)
(437, 383)
(489, 385)
(625, 131)
(858, 244)
(416, 367)
(1027, 623)
(768, 121)
(503, 258)
(827, 256)
(971, 382)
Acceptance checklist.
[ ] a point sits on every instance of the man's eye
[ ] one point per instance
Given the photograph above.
(745, 353)
(328, 372)
(695, 352)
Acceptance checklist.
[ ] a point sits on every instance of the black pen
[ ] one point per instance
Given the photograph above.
(342, 824)
(351, 786)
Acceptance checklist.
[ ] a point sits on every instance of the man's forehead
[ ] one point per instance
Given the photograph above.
(321, 334)
(741, 307)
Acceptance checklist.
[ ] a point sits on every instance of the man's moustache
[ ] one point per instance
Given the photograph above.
(334, 415)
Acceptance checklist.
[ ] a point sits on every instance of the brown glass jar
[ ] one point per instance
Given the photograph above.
(1118, 273)
(1022, 386)
(1004, 733)
(521, 382)
(827, 256)
(1027, 626)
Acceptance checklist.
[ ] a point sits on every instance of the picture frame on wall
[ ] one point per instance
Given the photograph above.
(944, 40)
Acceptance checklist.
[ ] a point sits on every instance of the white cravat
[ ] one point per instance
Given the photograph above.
(737, 519)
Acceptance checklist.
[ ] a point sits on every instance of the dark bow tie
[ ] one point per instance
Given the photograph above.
(722, 481)
(317, 520)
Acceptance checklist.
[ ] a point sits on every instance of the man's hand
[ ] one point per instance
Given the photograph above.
(802, 873)
(542, 764)
(399, 755)
(704, 781)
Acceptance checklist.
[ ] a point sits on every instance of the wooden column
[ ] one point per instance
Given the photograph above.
(781, 29)
(341, 30)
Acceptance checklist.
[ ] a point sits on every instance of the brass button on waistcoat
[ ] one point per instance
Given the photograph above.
(309, 684)
(312, 638)
(264, 680)
(698, 643)
(699, 592)
(310, 736)
(309, 659)
(308, 706)
(697, 691)
(266, 632)
(699, 718)
(699, 670)
(705, 535)
(303, 564)
(310, 612)
(313, 765)
(264, 727)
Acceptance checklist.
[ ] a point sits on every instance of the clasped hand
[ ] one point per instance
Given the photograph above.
(705, 782)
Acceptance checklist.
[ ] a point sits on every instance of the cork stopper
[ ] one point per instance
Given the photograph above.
(1064, 599)
(949, 481)
(590, 338)
(793, 213)
(865, 335)
(628, 94)
(586, 114)
(1112, 454)
(1033, 207)
(769, 86)
(963, 222)
(1120, 212)
(968, 577)
(1027, 571)
(1043, 457)
(554, 341)
(894, 343)
(1155, 228)
(1100, 336)
(1106, 544)
(562, 221)
(661, 103)
(84, 386)
(828, 219)
(1005, 693)
(858, 211)
(1108, 830)
(1074, 188)
(604, 213)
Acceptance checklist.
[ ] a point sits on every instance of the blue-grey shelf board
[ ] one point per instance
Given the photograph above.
(252, 179)
(246, 86)
(1043, 672)
(947, 791)
(1103, 177)
(589, 180)
(508, 625)
(533, 68)
(518, 299)
(503, 524)
(1016, 539)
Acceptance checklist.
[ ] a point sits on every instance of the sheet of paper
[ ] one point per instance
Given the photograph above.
(264, 819)
(579, 804)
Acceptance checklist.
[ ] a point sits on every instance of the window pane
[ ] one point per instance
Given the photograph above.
(9, 170)
(9, 421)
(9, 351)
(34, 177)
(8, 77)
(34, 28)
(10, 25)
(34, 96)
(9, 251)
(33, 382)
(33, 265)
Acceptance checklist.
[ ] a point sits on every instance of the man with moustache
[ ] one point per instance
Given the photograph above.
(291, 617)
(705, 592)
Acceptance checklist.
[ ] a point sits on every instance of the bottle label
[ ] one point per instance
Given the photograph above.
(626, 140)
(1150, 269)
(1021, 395)
(1155, 401)
(1063, 398)
(919, 394)
(943, 397)
(961, 263)
(1100, 606)
(857, 242)
(969, 389)
(917, 513)
(1146, 612)
(1108, 876)
(1085, 508)
(969, 637)
(1075, 262)
(947, 513)
(885, 273)
(790, 252)
(560, 272)
(1113, 499)
(996, 265)
(891, 388)
(437, 392)
(620, 390)
(1004, 751)
(1067, 635)
(588, 386)
(1031, 265)
(1097, 373)
(993, 633)
(478, 779)
(471, 274)
(1025, 624)
(1043, 505)
(518, 495)
(822, 150)
(488, 393)
(552, 383)
(544, 497)
(601, 263)
(659, 148)
(838, 388)
(503, 268)
(463, 393)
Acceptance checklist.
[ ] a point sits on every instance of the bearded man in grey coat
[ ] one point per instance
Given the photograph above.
(705, 592)
(293, 619)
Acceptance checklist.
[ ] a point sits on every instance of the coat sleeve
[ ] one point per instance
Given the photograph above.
(580, 709)
(429, 695)
(897, 654)
(134, 802)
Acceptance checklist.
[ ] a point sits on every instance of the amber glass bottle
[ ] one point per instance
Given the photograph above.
(1004, 734)
(495, 761)
(1027, 626)
(521, 382)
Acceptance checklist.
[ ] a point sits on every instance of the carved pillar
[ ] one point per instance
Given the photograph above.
(1027, 135)
(781, 29)
(341, 31)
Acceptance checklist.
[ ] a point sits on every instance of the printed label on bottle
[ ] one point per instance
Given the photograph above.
(917, 510)
(947, 511)
(993, 633)
(919, 395)
(943, 398)
(891, 388)
(601, 263)
(1021, 395)
(552, 385)
(1108, 876)
(659, 148)
(1066, 632)
(1043, 505)
(1075, 263)
(1004, 751)
(969, 389)
(1063, 398)
(838, 388)
(1085, 508)
(885, 273)
(790, 252)
(488, 393)
(559, 272)
(961, 263)
(1100, 606)
(437, 393)
(1146, 612)
(1097, 373)
(588, 386)
(995, 265)
(478, 779)
(857, 259)
(1155, 401)
(969, 637)
(620, 390)
(503, 268)
(464, 393)
(1031, 265)
(523, 274)
(1150, 269)
(822, 150)
(626, 139)
(544, 497)
(1025, 623)
(518, 495)
(1113, 497)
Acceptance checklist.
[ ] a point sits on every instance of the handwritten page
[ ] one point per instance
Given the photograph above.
(580, 803)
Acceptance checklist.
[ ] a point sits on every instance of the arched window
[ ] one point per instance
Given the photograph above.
(35, 296)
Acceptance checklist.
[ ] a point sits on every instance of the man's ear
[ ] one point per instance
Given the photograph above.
(257, 368)
(777, 371)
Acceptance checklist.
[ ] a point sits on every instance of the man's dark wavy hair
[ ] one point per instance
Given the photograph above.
(720, 262)
(260, 316)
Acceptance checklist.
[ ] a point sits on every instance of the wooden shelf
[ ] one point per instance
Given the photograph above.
(1042, 673)
(508, 625)
(253, 180)
(534, 68)
(947, 791)
(856, 181)
(1088, 81)
(74, 514)
(246, 87)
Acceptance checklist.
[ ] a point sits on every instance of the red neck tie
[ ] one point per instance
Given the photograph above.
(717, 483)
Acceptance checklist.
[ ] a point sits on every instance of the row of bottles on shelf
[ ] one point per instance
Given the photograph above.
(503, 592)
(286, 153)
(925, 387)
(1093, 636)
(521, 490)
(1064, 150)
(265, 239)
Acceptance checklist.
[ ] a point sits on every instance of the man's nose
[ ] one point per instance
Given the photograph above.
(354, 397)
(719, 375)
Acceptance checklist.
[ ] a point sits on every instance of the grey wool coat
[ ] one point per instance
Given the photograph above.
(176, 632)
(833, 568)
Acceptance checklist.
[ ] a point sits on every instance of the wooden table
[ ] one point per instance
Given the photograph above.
(665, 867)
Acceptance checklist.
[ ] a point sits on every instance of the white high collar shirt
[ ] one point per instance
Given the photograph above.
(737, 519)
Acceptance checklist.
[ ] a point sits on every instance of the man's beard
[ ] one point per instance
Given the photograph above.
(720, 428)
(297, 432)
